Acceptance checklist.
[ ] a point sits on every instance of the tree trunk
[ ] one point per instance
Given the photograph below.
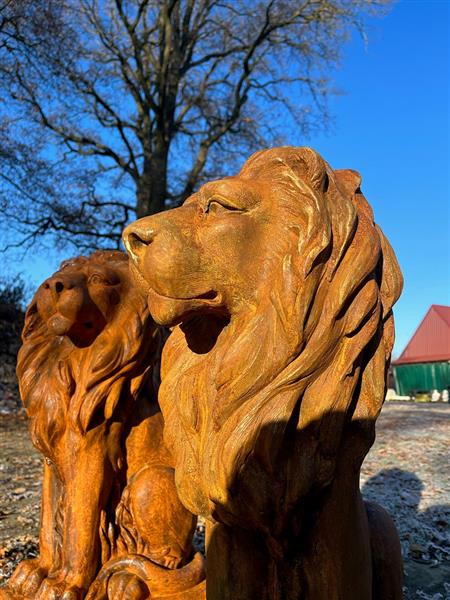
(152, 186)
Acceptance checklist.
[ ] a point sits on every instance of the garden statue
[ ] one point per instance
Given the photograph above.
(278, 287)
(86, 375)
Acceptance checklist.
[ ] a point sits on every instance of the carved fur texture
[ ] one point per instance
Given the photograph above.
(85, 371)
(275, 371)
(69, 380)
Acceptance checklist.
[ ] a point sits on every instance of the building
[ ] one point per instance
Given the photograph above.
(424, 365)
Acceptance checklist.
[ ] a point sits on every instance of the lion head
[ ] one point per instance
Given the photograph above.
(281, 288)
(88, 342)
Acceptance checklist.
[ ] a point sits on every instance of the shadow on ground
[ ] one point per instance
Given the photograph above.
(424, 534)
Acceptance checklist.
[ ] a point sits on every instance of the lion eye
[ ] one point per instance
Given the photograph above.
(98, 279)
(217, 206)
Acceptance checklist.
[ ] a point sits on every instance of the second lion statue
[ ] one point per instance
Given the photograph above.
(279, 288)
(90, 348)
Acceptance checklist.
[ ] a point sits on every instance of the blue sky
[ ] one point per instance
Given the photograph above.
(392, 125)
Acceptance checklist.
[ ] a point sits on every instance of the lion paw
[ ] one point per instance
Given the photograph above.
(171, 562)
(55, 589)
(27, 577)
(124, 586)
(167, 556)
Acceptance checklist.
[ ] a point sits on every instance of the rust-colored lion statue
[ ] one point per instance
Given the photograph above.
(86, 375)
(279, 288)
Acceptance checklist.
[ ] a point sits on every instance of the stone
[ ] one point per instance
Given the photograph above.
(278, 287)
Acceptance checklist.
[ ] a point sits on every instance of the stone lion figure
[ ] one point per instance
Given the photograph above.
(86, 379)
(279, 288)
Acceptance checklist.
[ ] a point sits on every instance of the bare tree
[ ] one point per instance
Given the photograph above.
(119, 108)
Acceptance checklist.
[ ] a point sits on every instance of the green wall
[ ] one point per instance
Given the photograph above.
(422, 377)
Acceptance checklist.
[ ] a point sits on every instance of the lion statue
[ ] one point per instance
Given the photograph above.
(279, 288)
(88, 372)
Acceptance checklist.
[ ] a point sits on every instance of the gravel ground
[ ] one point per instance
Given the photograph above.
(407, 471)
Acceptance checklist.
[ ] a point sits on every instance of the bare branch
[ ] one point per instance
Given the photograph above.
(127, 106)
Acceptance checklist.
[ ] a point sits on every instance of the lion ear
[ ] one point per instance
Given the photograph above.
(316, 169)
(349, 180)
(309, 166)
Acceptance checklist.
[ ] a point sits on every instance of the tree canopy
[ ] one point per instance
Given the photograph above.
(113, 109)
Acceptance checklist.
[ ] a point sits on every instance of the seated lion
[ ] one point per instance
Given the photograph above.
(275, 373)
(86, 379)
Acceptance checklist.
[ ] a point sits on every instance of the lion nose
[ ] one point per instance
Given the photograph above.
(136, 238)
(59, 286)
(56, 285)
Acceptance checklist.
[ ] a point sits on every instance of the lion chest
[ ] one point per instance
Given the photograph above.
(185, 403)
(209, 473)
(47, 412)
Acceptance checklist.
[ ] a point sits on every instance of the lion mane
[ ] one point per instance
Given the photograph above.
(64, 385)
(296, 386)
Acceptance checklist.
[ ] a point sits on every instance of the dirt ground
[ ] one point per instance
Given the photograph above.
(407, 471)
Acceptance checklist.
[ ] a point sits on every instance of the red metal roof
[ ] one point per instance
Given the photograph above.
(431, 340)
